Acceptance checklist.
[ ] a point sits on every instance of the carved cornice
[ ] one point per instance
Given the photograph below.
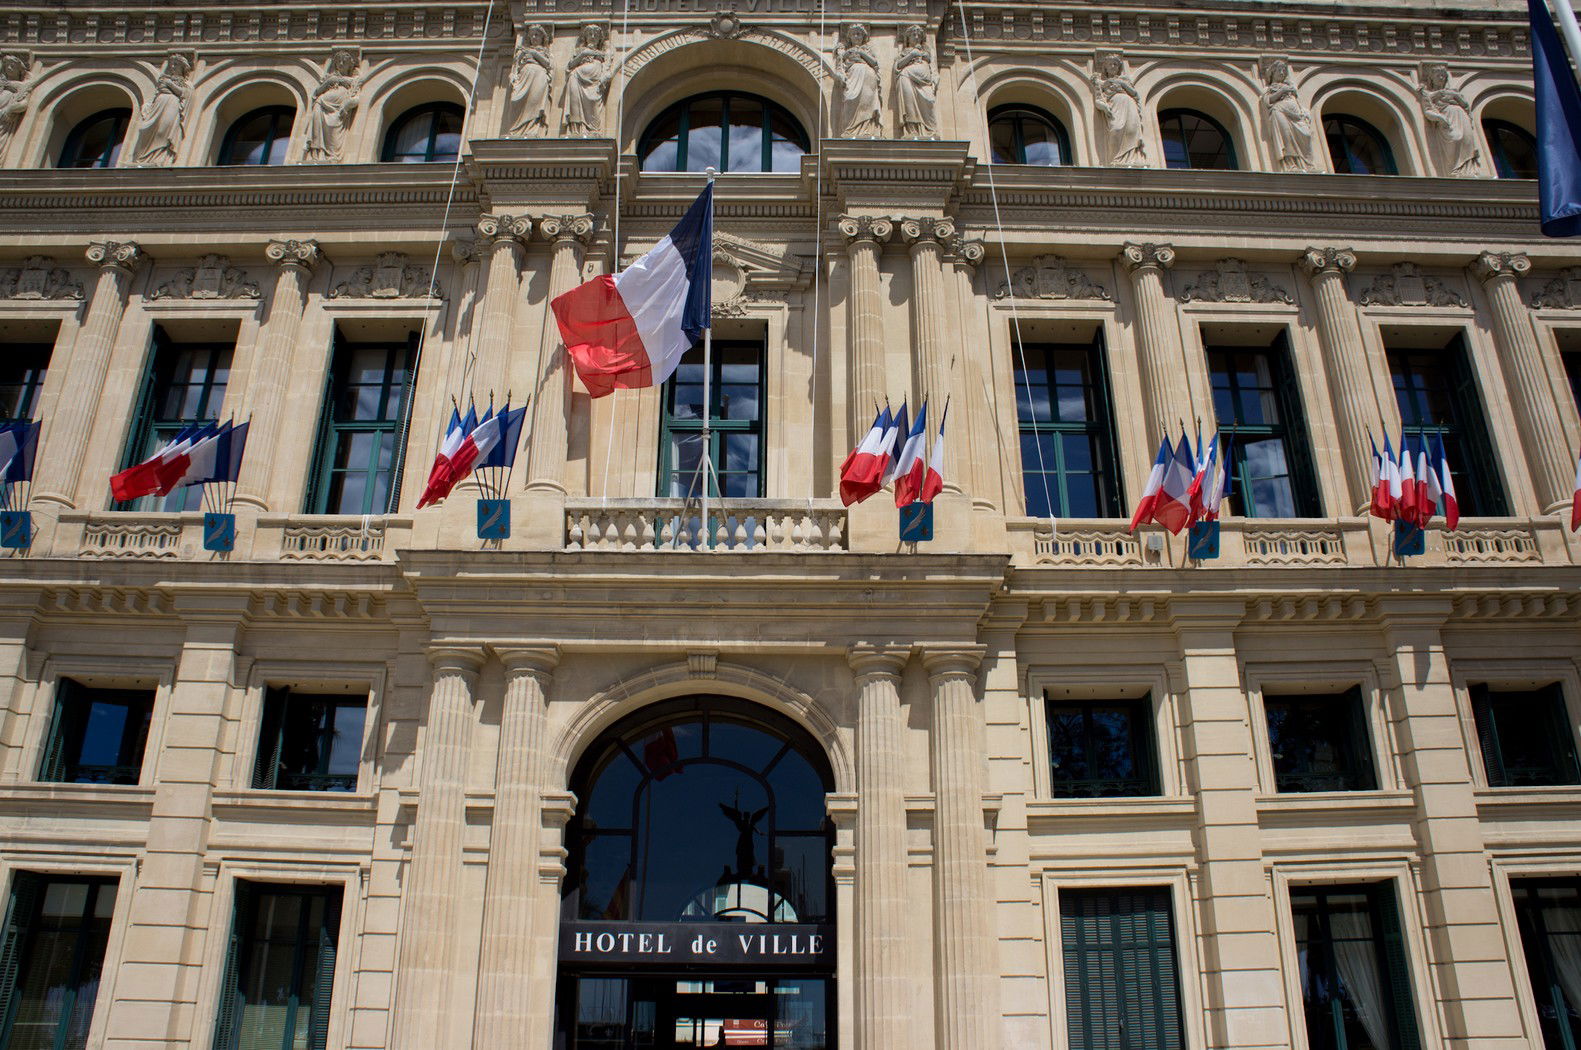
(1315, 261)
(390, 25)
(1489, 265)
(864, 229)
(561, 228)
(1137, 257)
(303, 255)
(116, 255)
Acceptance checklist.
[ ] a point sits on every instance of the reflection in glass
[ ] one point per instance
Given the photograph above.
(727, 130)
(1101, 749)
(1067, 459)
(1258, 409)
(1195, 140)
(61, 926)
(1319, 742)
(1356, 147)
(1354, 984)
(1024, 135)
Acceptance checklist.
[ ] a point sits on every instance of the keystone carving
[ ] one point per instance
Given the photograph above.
(1562, 292)
(213, 278)
(121, 255)
(1136, 256)
(1050, 277)
(305, 254)
(1229, 282)
(390, 277)
(726, 26)
(1489, 265)
(1406, 285)
(1324, 260)
(39, 278)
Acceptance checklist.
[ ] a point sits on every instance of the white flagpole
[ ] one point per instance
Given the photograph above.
(708, 374)
(1568, 29)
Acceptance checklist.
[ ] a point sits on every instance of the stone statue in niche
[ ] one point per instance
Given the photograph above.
(332, 108)
(1117, 99)
(531, 74)
(587, 78)
(856, 71)
(391, 277)
(1289, 122)
(39, 278)
(13, 97)
(213, 278)
(916, 86)
(163, 115)
(1450, 115)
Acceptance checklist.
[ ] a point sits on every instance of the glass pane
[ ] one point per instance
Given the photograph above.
(97, 140)
(686, 458)
(1040, 143)
(701, 850)
(746, 134)
(663, 143)
(785, 144)
(348, 493)
(1312, 743)
(411, 138)
(601, 1013)
(446, 135)
(606, 878)
(345, 748)
(703, 142)
(800, 1020)
(106, 728)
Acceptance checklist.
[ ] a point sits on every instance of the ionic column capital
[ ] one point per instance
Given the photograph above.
(464, 660)
(964, 251)
(1491, 265)
(878, 661)
(927, 230)
(503, 231)
(952, 663)
(125, 256)
(536, 661)
(299, 255)
(864, 229)
(558, 229)
(1138, 257)
(1315, 261)
(466, 250)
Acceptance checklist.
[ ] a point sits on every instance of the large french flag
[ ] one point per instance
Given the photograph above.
(158, 474)
(439, 483)
(863, 470)
(933, 480)
(1154, 486)
(911, 463)
(1173, 510)
(629, 330)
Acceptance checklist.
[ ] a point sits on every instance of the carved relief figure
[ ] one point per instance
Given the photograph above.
(13, 97)
(334, 105)
(916, 86)
(856, 71)
(1450, 115)
(1289, 122)
(531, 74)
(1051, 277)
(1118, 100)
(163, 115)
(213, 278)
(39, 278)
(587, 78)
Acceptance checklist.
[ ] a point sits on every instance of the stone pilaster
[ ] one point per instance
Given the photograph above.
(510, 971)
(965, 969)
(929, 322)
(1164, 392)
(1356, 408)
(66, 442)
(503, 239)
(884, 1001)
(271, 371)
(568, 236)
(865, 237)
(1542, 433)
(426, 1013)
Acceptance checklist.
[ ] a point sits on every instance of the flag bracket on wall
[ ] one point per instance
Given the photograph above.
(219, 532)
(1410, 539)
(494, 519)
(1202, 541)
(16, 529)
(916, 523)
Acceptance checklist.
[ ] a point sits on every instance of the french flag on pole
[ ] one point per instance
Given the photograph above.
(629, 330)
(1173, 510)
(862, 473)
(911, 463)
(933, 480)
(158, 474)
(217, 457)
(1155, 485)
(439, 474)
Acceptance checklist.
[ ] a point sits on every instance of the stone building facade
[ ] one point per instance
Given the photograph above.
(340, 787)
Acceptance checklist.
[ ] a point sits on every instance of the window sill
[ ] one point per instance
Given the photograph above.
(315, 801)
(1317, 808)
(1047, 814)
(1496, 803)
(22, 798)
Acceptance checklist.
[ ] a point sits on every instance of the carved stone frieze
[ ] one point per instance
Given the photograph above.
(305, 254)
(1562, 292)
(187, 24)
(1051, 277)
(390, 277)
(1406, 285)
(212, 278)
(39, 278)
(1229, 282)
(122, 255)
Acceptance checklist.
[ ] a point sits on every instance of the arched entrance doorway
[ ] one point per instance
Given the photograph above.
(699, 902)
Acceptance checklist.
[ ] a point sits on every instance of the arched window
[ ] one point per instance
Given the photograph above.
(1023, 135)
(1514, 149)
(1195, 140)
(726, 130)
(259, 137)
(425, 133)
(1356, 147)
(96, 141)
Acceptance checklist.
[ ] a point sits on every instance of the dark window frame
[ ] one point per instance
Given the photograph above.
(68, 730)
(1121, 961)
(1292, 429)
(1340, 126)
(671, 425)
(1496, 131)
(653, 135)
(1099, 431)
(1562, 767)
(1358, 769)
(1177, 116)
(1467, 441)
(150, 428)
(1571, 359)
(1141, 716)
(1391, 957)
(71, 156)
(281, 705)
(249, 896)
(1558, 1019)
(274, 114)
(389, 151)
(23, 922)
(400, 360)
(28, 364)
(1016, 116)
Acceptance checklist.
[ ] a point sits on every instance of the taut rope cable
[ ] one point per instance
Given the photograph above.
(404, 431)
(614, 235)
(1004, 258)
(817, 259)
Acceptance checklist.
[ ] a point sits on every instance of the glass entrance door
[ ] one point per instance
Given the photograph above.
(693, 1011)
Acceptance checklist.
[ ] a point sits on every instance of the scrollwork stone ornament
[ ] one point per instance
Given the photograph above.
(120, 255)
(495, 230)
(1137, 256)
(1562, 292)
(965, 251)
(14, 92)
(858, 228)
(305, 255)
(726, 26)
(1051, 277)
(1406, 285)
(39, 278)
(1229, 282)
(531, 77)
(1317, 261)
(556, 228)
(390, 277)
(213, 278)
(1490, 265)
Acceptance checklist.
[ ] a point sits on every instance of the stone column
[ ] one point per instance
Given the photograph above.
(1164, 393)
(928, 306)
(271, 371)
(502, 238)
(425, 1008)
(884, 1003)
(1345, 361)
(865, 237)
(510, 970)
(1531, 395)
(965, 975)
(551, 412)
(66, 435)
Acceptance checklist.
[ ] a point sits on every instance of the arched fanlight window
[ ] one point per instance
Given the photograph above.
(1514, 149)
(1195, 140)
(727, 130)
(1024, 135)
(259, 137)
(430, 132)
(96, 141)
(1356, 147)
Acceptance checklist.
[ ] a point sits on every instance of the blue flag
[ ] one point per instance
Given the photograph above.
(1558, 127)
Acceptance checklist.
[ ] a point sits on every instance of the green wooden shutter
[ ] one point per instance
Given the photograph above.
(1466, 403)
(324, 976)
(1303, 476)
(1488, 736)
(1364, 775)
(1397, 968)
(1563, 735)
(53, 767)
(317, 496)
(22, 910)
(266, 771)
(230, 1007)
(1122, 988)
(1104, 424)
(403, 422)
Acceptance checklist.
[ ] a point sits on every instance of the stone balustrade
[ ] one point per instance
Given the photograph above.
(734, 525)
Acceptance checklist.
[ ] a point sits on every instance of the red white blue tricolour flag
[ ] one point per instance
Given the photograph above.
(629, 329)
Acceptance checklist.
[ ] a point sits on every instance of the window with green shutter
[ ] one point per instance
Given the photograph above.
(1319, 742)
(1122, 983)
(97, 736)
(734, 464)
(1548, 912)
(279, 968)
(1101, 748)
(1257, 402)
(183, 385)
(1066, 424)
(1525, 735)
(309, 741)
(1355, 980)
(1437, 394)
(51, 957)
(360, 423)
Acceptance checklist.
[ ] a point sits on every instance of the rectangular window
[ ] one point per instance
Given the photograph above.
(1548, 912)
(51, 956)
(1526, 736)
(1320, 743)
(1572, 362)
(1355, 985)
(22, 370)
(1258, 405)
(1122, 984)
(1101, 749)
(279, 968)
(310, 742)
(97, 735)
(1437, 394)
(359, 427)
(184, 384)
(734, 463)
(1067, 431)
